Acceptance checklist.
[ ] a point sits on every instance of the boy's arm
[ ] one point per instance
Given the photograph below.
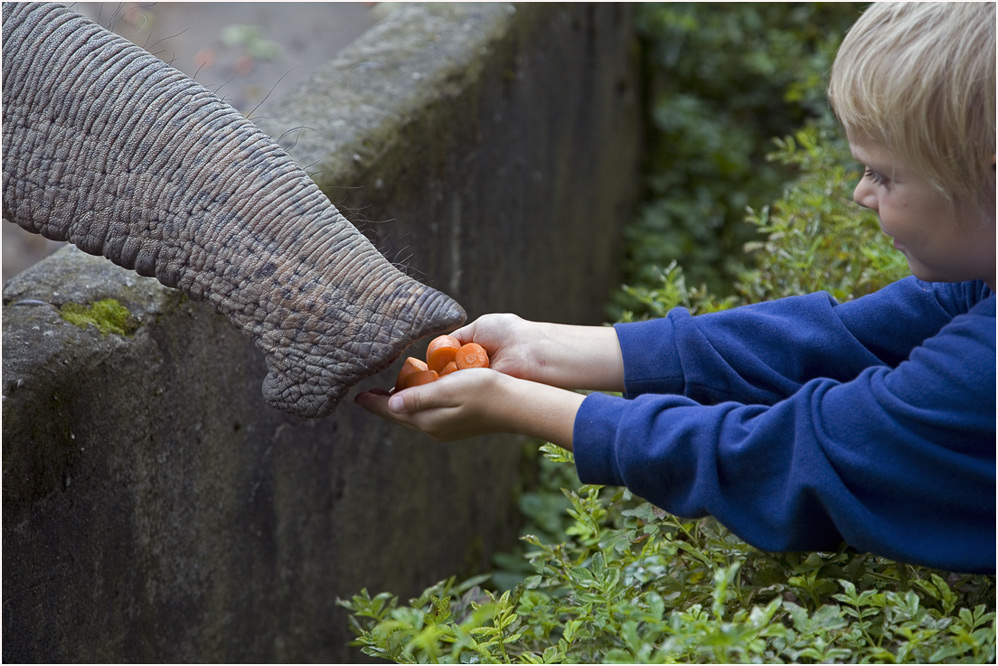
(763, 353)
(900, 462)
(478, 402)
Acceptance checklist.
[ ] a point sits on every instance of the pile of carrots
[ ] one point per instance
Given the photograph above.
(444, 355)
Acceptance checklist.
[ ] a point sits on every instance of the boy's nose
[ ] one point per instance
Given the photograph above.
(864, 195)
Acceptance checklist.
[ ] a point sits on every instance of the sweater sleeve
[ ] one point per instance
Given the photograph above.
(895, 457)
(765, 352)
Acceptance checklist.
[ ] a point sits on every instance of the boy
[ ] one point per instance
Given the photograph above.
(801, 422)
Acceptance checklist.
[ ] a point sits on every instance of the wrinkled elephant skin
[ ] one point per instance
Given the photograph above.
(111, 149)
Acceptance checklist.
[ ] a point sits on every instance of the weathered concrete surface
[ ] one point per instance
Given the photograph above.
(156, 509)
(492, 148)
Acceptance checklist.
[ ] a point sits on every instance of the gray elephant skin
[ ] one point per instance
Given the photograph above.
(109, 148)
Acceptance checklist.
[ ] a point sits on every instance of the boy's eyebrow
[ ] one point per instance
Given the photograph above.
(868, 160)
(856, 154)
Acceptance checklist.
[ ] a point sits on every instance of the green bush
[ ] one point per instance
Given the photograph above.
(723, 80)
(630, 584)
(606, 577)
(814, 238)
(609, 578)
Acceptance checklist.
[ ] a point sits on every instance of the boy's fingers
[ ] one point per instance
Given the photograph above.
(387, 405)
(375, 400)
(465, 334)
(396, 404)
(414, 399)
(379, 403)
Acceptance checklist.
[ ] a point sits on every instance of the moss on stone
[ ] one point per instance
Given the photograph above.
(108, 315)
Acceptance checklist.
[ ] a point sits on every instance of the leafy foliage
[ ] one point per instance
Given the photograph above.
(609, 578)
(628, 583)
(605, 577)
(814, 238)
(724, 80)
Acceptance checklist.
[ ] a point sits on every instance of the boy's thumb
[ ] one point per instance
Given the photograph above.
(396, 404)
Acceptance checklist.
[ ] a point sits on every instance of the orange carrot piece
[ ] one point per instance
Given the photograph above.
(411, 365)
(471, 355)
(420, 378)
(441, 351)
(449, 368)
(442, 341)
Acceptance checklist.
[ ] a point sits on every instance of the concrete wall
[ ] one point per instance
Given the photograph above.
(156, 509)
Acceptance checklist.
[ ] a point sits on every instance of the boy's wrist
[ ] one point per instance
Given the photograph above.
(539, 410)
(581, 357)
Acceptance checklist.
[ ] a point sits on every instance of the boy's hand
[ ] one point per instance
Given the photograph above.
(530, 363)
(571, 357)
(477, 402)
(510, 341)
(460, 405)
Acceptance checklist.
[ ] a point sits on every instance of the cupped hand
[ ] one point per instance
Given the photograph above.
(479, 401)
(460, 405)
(510, 341)
(562, 355)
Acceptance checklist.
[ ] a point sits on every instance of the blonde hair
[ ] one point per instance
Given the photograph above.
(918, 79)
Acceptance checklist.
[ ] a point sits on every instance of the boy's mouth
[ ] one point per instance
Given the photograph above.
(897, 246)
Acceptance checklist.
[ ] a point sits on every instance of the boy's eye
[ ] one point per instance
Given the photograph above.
(875, 178)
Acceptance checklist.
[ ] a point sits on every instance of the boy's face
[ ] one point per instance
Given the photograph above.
(943, 242)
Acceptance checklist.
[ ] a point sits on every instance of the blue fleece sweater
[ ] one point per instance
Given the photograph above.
(801, 422)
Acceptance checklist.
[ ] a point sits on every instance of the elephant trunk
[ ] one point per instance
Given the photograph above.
(111, 149)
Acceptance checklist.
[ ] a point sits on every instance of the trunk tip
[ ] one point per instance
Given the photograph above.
(311, 381)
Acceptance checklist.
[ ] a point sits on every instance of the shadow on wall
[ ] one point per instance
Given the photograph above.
(252, 54)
